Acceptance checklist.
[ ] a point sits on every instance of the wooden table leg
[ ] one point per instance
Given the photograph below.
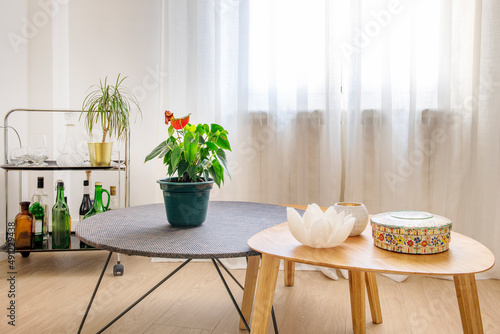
(468, 303)
(266, 285)
(373, 299)
(357, 293)
(289, 273)
(249, 291)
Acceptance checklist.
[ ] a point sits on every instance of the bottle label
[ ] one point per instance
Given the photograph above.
(38, 226)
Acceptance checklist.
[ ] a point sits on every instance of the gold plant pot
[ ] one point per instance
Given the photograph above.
(100, 154)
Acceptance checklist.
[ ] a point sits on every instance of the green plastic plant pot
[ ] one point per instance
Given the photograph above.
(186, 203)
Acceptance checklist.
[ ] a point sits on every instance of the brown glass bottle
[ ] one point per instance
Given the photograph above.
(24, 227)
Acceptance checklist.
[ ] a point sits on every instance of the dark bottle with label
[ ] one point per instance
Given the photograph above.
(61, 224)
(86, 204)
(23, 227)
(85, 207)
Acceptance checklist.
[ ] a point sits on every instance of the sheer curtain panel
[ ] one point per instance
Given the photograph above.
(390, 103)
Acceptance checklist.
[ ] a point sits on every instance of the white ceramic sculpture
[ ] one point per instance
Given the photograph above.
(317, 229)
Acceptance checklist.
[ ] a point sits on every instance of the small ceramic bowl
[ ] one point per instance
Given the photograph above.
(358, 211)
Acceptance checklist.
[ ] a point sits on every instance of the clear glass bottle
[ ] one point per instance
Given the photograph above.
(98, 206)
(113, 199)
(23, 227)
(61, 224)
(40, 199)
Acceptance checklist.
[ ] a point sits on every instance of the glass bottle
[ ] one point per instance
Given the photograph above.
(40, 199)
(23, 227)
(69, 211)
(86, 204)
(91, 191)
(113, 200)
(61, 228)
(98, 206)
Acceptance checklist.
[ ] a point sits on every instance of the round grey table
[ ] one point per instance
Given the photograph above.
(144, 230)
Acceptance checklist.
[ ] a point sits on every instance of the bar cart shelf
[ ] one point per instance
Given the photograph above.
(119, 166)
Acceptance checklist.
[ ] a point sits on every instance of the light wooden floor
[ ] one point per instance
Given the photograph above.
(53, 290)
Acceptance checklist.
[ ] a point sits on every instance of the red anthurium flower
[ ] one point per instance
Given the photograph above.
(180, 123)
(168, 116)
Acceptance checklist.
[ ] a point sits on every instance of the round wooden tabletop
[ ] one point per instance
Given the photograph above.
(465, 255)
(144, 230)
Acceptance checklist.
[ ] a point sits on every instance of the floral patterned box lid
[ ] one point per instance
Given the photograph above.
(413, 232)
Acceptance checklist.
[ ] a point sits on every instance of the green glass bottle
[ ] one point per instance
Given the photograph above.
(98, 206)
(61, 228)
(40, 213)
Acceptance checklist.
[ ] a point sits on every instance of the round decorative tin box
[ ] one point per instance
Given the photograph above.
(412, 232)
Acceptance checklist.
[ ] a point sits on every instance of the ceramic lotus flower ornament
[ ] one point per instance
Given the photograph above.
(320, 229)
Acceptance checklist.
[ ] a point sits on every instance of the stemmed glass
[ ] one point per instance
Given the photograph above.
(39, 151)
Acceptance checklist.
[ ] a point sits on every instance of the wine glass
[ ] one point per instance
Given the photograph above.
(39, 150)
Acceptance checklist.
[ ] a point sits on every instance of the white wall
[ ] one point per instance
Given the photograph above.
(51, 52)
(13, 82)
(121, 37)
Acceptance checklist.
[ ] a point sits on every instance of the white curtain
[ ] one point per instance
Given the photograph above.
(389, 103)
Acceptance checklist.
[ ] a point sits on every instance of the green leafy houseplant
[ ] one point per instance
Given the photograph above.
(109, 106)
(194, 152)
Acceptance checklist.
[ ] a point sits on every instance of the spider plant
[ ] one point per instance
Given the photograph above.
(109, 106)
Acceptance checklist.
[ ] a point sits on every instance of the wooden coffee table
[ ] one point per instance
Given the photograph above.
(362, 259)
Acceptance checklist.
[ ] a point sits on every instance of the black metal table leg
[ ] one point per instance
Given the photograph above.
(93, 294)
(145, 295)
(231, 295)
(275, 325)
(133, 304)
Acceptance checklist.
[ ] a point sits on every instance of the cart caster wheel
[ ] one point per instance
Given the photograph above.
(118, 269)
(25, 254)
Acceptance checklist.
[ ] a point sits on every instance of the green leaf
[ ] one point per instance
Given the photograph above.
(171, 169)
(216, 127)
(214, 175)
(190, 146)
(200, 129)
(171, 131)
(176, 156)
(192, 170)
(167, 158)
(183, 167)
(218, 172)
(206, 174)
(156, 151)
(203, 153)
(222, 142)
(221, 155)
(206, 127)
(212, 146)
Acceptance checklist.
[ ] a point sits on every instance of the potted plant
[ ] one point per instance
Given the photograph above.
(107, 106)
(195, 158)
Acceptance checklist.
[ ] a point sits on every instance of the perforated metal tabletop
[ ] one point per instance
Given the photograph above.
(144, 230)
